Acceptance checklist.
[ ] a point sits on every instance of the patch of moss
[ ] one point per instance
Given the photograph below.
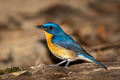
(2, 72)
(9, 70)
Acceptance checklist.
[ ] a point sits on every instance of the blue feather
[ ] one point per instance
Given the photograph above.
(67, 42)
(92, 59)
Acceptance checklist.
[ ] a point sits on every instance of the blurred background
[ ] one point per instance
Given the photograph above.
(95, 24)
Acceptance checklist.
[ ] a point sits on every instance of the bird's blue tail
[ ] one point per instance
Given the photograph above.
(91, 59)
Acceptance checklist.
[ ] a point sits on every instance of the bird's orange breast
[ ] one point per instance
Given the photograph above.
(59, 51)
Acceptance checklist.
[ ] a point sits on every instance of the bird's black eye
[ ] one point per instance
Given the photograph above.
(50, 27)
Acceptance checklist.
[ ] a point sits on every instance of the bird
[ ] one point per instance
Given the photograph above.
(63, 46)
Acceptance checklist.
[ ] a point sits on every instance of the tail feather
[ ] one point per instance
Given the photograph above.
(98, 63)
(90, 59)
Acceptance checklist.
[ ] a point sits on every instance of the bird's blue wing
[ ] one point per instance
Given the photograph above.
(70, 45)
(67, 42)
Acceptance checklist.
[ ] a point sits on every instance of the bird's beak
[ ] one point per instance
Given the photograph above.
(41, 27)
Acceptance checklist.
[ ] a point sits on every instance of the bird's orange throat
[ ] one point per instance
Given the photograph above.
(49, 39)
(48, 36)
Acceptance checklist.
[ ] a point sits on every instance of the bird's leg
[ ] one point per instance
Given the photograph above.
(58, 63)
(67, 63)
(61, 63)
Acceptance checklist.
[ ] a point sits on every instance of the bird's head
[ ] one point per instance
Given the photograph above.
(51, 28)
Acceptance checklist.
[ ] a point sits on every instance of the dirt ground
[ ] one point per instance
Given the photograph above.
(92, 23)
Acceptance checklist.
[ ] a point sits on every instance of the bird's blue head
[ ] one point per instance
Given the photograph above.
(51, 28)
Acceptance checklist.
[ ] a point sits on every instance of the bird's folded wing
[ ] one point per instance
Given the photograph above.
(72, 46)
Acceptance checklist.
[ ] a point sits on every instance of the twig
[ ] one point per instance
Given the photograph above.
(106, 46)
